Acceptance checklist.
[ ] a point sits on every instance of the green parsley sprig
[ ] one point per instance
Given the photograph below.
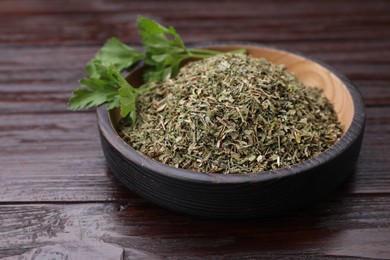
(164, 50)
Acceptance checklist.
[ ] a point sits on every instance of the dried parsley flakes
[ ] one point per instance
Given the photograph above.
(233, 113)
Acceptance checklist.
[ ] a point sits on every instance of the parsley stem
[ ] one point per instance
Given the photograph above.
(198, 56)
(204, 51)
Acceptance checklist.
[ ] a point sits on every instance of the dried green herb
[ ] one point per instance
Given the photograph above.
(233, 113)
(164, 50)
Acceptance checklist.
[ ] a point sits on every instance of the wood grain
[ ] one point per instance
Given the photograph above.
(136, 226)
(63, 160)
(93, 22)
(73, 170)
(29, 82)
(52, 156)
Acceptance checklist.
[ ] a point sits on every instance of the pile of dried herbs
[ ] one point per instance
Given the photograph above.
(232, 113)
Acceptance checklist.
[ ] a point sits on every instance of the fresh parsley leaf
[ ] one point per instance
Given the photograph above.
(128, 102)
(164, 51)
(107, 87)
(127, 95)
(96, 90)
(158, 75)
(120, 56)
(150, 29)
(93, 92)
(96, 69)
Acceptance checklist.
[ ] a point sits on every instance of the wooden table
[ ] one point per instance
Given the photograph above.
(57, 196)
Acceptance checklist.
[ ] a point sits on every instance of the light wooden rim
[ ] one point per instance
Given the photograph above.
(352, 118)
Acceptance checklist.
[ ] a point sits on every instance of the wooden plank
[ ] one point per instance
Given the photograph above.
(76, 22)
(57, 157)
(30, 82)
(340, 226)
(23, 64)
(59, 200)
(185, 9)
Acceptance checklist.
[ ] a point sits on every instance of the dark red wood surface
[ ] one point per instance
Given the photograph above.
(57, 197)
